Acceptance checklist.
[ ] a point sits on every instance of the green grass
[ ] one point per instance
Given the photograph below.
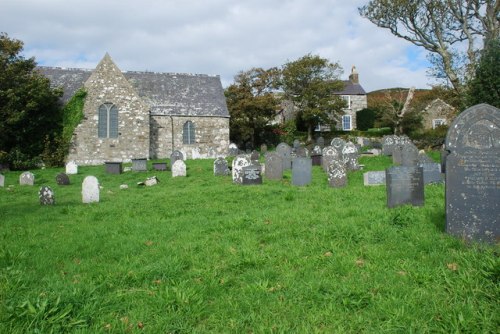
(200, 254)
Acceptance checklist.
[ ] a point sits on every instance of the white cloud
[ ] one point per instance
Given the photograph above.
(214, 37)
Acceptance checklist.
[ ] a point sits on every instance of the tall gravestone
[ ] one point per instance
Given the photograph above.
(404, 185)
(90, 190)
(2, 180)
(330, 153)
(27, 179)
(350, 156)
(274, 166)
(473, 175)
(179, 168)
(238, 163)
(46, 196)
(285, 153)
(221, 167)
(71, 168)
(301, 171)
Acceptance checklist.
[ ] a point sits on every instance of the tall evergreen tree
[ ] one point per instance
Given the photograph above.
(485, 87)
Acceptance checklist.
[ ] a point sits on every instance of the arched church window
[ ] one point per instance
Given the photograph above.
(188, 133)
(108, 121)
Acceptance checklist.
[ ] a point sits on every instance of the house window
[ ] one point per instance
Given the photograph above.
(108, 121)
(437, 122)
(347, 99)
(188, 133)
(346, 123)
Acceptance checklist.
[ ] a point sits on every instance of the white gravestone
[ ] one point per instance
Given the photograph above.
(178, 168)
(90, 190)
(71, 168)
(27, 178)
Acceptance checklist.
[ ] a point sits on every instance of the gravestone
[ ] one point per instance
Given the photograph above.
(374, 178)
(473, 175)
(4, 167)
(316, 154)
(221, 167)
(423, 158)
(151, 181)
(233, 150)
(337, 174)
(263, 148)
(330, 153)
(160, 166)
(274, 166)
(252, 174)
(338, 144)
(90, 190)
(140, 165)
(320, 142)
(2, 180)
(178, 168)
(27, 179)
(113, 167)
(176, 155)
(397, 154)
(409, 155)
(71, 168)
(388, 143)
(302, 152)
(301, 171)
(238, 163)
(432, 172)
(255, 156)
(405, 185)
(46, 196)
(350, 156)
(285, 153)
(62, 179)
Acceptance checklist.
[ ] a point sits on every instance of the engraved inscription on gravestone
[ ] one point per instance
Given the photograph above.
(301, 171)
(252, 175)
(405, 185)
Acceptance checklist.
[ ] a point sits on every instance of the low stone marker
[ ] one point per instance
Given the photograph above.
(274, 166)
(238, 163)
(285, 153)
(90, 190)
(27, 179)
(160, 166)
(46, 196)
(337, 175)
(473, 175)
(2, 180)
(140, 165)
(221, 167)
(113, 167)
(301, 171)
(62, 179)
(71, 168)
(151, 181)
(374, 178)
(251, 175)
(178, 168)
(176, 155)
(405, 185)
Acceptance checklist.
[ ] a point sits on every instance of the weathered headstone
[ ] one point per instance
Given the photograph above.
(432, 172)
(46, 196)
(473, 175)
(27, 179)
(90, 190)
(113, 167)
(296, 144)
(388, 143)
(252, 174)
(423, 157)
(176, 155)
(151, 181)
(233, 150)
(71, 168)
(2, 180)
(302, 152)
(409, 155)
(62, 179)
(374, 178)
(274, 166)
(338, 143)
(337, 175)
(330, 153)
(301, 171)
(320, 142)
(140, 165)
(350, 156)
(178, 168)
(238, 163)
(405, 185)
(221, 167)
(285, 153)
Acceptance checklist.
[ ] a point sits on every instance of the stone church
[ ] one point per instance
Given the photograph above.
(133, 115)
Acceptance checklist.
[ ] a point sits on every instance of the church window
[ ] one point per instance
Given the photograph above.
(108, 121)
(188, 133)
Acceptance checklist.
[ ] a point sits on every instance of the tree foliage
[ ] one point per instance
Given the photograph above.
(29, 107)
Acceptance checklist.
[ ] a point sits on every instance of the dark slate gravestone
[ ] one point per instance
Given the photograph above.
(285, 153)
(221, 167)
(255, 156)
(375, 178)
(409, 155)
(432, 172)
(140, 165)
(113, 167)
(320, 142)
(263, 148)
(233, 150)
(329, 154)
(405, 185)
(252, 174)
(443, 155)
(62, 179)
(473, 175)
(238, 163)
(337, 174)
(160, 166)
(46, 196)
(316, 155)
(274, 166)
(350, 156)
(176, 155)
(301, 171)
(2, 180)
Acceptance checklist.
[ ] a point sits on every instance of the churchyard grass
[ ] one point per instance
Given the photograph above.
(200, 254)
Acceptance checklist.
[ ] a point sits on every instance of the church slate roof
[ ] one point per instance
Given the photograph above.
(351, 88)
(166, 93)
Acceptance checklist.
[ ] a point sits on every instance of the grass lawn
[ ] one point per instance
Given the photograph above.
(200, 254)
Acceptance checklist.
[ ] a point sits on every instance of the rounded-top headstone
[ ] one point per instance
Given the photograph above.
(179, 168)
(27, 178)
(62, 179)
(71, 168)
(338, 143)
(90, 190)
(233, 150)
(46, 196)
(263, 148)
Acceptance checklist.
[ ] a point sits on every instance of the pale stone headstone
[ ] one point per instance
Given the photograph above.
(238, 163)
(330, 153)
(473, 175)
(409, 155)
(62, 179)
(405, 185)
(179, 168)
(71, 168)
(46, 196)
(350, 156)
(374, 178)
(27, 179)
(2, 180)
(338, 143)
(274, 166)
(301, 171)
(90, 190)
(221, 167)
(140, 165)
(285, 153)
(337, 174)
(176, 155)
(233, 150)
(252, 174)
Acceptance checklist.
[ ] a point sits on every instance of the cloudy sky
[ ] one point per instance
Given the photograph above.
(212, 36)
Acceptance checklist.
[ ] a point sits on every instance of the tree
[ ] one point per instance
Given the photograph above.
(395, 111)
(252, 105)
(309, 82)
(451, 30)
(29, 108)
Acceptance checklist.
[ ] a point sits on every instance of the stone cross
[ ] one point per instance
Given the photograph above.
(27, 178)
(46, 196)
(90, 190)
(179, 168)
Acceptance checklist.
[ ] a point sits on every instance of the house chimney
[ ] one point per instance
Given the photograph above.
(354, 77)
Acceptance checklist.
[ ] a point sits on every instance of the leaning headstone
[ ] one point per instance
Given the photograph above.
(285, 153)
(320, 142)
(27, 179)
(90, 190)
(46, 196)
(274, 166)
(252, 174)
(221, 167)
(179, 168)
(432, 172)
(374, 178)
(337, 175)
(71, 168)
(176, 155)
(405, 185)
(473, 175)
(409, 155)
(301, 171)
(2, 180)
(140, 165)
(330, 153)
(62, 179)
(233, 150)
(238, 163)
(350, 156)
